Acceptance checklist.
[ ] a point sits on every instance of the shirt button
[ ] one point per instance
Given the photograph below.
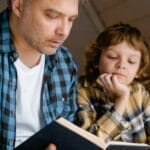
(15, 55)
(10, 142)
(12, 112)
(13, 80)
(63, 99)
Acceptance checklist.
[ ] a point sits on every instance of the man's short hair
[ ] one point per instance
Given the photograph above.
(9, 3)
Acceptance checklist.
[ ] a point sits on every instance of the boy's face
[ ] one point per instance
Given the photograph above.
(121, 60)
(45, 24)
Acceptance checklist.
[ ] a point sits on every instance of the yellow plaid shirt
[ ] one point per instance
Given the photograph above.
(97, 114)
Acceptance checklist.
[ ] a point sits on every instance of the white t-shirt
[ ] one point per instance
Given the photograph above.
(28, 105)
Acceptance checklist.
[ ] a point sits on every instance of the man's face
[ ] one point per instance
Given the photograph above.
(45, 24)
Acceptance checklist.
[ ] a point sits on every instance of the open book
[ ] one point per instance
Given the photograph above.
(68, 136)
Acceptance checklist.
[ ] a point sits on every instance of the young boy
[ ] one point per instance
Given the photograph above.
(113, 103)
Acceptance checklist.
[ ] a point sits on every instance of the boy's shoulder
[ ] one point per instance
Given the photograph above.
(137, 87)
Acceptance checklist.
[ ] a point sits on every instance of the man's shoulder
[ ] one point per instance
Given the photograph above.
(63, 53)
(64, 50)
(5, 33)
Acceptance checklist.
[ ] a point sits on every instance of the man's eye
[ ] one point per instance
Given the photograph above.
(52, 16)
(72, 19)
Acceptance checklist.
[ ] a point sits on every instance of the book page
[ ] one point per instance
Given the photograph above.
(89, 136)
(126, 143)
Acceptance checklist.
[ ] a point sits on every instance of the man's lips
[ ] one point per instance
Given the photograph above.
(55, 43)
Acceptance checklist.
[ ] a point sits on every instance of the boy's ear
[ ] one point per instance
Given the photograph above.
(137, 75)
(17, 7)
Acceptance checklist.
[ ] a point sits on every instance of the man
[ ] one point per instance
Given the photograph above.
(37, 75)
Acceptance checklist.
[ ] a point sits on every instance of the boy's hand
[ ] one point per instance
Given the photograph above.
(116, 91)
(111, 84)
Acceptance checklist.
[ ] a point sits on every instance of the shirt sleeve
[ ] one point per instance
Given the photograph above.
(110, 125)
(146, 108)
(72, 97)
(86, 113)
(69, 71)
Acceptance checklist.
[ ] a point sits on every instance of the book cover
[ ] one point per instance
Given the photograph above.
(65, 135)
(68, 136)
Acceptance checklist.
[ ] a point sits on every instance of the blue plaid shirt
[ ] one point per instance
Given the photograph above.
(58, 95)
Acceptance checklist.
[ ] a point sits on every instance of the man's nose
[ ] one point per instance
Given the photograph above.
(64, 28)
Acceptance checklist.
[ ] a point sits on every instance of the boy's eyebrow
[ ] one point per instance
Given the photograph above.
(110, 49)
(58, 12)
(134, 56)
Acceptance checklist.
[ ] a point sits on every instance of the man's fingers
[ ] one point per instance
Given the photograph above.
(51, 147)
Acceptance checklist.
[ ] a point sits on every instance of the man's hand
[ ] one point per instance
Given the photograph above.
(51, 147)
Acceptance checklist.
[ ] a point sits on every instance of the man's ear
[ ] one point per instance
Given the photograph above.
(17, 7)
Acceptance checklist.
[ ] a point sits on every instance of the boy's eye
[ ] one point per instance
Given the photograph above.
(132, 62)
(112, 57)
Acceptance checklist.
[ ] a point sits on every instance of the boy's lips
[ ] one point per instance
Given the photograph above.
(119, 74)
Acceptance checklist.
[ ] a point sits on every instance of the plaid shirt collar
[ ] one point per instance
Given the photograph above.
(6, 44)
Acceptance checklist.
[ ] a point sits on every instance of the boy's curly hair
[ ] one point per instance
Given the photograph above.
(113, 35)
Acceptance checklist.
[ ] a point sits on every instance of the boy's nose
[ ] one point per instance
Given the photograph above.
(121, 65)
